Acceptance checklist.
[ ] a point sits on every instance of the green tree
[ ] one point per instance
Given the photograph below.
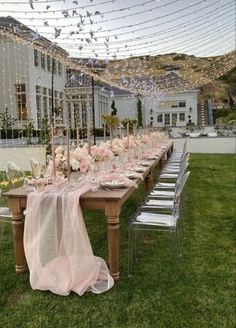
(139, 113)
(114, 109)
(29, 127)
(7, 120)
(44, 136)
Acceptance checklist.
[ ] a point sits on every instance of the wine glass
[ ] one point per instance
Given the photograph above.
(37, 170)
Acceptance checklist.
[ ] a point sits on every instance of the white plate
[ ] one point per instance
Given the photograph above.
(114, 184)
(145, 164)
(139, 169)
(131, 175)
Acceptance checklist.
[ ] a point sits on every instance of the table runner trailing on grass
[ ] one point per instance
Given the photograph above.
(57, 246)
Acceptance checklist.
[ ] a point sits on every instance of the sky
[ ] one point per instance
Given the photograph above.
(121, 28)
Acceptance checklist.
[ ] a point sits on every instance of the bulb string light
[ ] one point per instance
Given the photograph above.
(58, 19)
(68, 62)
(163, 31)
(27, 2)
(82, 7)
(160, 41)
(126, 33)
(56, 10)
(111, 46)
(187, 47)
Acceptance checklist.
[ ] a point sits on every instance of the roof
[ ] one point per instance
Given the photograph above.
(17, 28)
(76, 79)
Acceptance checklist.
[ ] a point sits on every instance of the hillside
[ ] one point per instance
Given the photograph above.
(214, 76)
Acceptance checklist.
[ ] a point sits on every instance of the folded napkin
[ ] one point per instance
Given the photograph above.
(118, 178)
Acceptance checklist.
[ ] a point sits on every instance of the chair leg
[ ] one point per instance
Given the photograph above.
(130, 249)
(178, 238)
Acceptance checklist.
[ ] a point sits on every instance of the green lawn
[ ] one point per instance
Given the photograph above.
(165, 291)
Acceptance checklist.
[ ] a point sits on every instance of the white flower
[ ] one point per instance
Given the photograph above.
(74, 164)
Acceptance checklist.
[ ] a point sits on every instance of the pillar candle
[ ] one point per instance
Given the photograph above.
(53, 153)
(68, 152)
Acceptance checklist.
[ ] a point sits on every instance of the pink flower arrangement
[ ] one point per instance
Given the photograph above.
(101, 152)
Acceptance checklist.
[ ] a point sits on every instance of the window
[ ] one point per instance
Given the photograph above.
(36, 58)
(21, 102)
(174, 119)
(59, 68)
(182, 104)
(45, 101)
(160, 118)
(182, 117)
(42, 61)
(54, 66)
(38, 89)
(39, 108)
(167, 119)
(48, 63)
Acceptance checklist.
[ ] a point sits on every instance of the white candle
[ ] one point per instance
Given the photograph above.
(53, 153)
(127, 135)
(77, 132)
(68, 152)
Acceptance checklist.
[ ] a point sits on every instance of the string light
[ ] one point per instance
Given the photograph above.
(46, 1)
(134, 85)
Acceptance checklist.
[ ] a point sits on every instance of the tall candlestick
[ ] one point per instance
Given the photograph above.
(104, 132)
(127, 135)
(77, 132)
(110, 133)
(89, 139)
(120, 132)
(53, 153)
(68, 152)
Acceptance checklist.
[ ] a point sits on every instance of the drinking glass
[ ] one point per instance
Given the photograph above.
(36, 171)
(94, 182)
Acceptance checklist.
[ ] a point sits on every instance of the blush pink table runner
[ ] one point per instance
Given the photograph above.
(57, 246)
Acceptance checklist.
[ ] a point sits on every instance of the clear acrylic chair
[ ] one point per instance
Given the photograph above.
(155, 203)
(36, 168)
(147, 221)
(5, 213)
(150, 217)
(14, 173)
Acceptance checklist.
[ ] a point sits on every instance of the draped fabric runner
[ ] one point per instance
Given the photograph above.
(57, 246)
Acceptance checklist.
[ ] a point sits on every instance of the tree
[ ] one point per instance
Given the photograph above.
(7, 120)
(114, 109)
(110, 120)
(44, 136)
(29, 127)
(139, 114)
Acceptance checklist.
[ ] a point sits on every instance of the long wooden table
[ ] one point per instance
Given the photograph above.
(110, 202)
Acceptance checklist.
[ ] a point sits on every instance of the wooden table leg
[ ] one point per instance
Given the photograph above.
(112, 212)
(149, 182)
(18, 232)
(162, 161)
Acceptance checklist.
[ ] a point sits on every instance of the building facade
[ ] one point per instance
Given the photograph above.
(35, 84)
(30, 74)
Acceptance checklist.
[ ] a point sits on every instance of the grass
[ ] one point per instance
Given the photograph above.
(165, 291)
